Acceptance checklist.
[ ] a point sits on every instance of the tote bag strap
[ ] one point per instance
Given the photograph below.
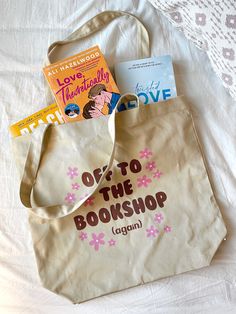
(92, 26)
(32, 166)
(97, 23)
(37, 146)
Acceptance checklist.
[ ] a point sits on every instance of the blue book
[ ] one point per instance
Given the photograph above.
(152, 79)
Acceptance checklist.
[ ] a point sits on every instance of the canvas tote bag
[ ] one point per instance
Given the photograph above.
(118, 201)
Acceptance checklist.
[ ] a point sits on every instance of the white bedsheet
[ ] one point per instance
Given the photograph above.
(27, 27)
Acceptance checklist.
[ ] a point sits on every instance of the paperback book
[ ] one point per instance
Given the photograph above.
(152, 79)
(49, 114)
(83, 85)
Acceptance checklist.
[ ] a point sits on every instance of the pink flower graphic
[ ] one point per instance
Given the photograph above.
(143, 181)
(152, 232)
(158, 218)
(75, 186)
(83, 236)
(157, 174)
(89, 201)
(167, 229)
(72, 172)
(146, 153)
(151, 165)
(112, 242)
(97, 240)
(70, 198)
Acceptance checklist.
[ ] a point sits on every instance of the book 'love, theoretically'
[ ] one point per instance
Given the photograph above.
(83, 85)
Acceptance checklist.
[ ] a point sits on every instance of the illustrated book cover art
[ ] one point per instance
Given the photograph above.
(83, 85)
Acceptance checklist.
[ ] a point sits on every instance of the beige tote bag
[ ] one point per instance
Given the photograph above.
(118, 201)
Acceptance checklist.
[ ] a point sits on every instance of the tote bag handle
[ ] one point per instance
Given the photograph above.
(32, 166)
(97, 23)
(36, 147)
(92, 26)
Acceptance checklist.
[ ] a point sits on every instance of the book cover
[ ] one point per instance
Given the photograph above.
(152, 79)
(83, 85)
(49, 114)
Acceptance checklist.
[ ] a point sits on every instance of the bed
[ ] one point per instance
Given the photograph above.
(26, 30)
